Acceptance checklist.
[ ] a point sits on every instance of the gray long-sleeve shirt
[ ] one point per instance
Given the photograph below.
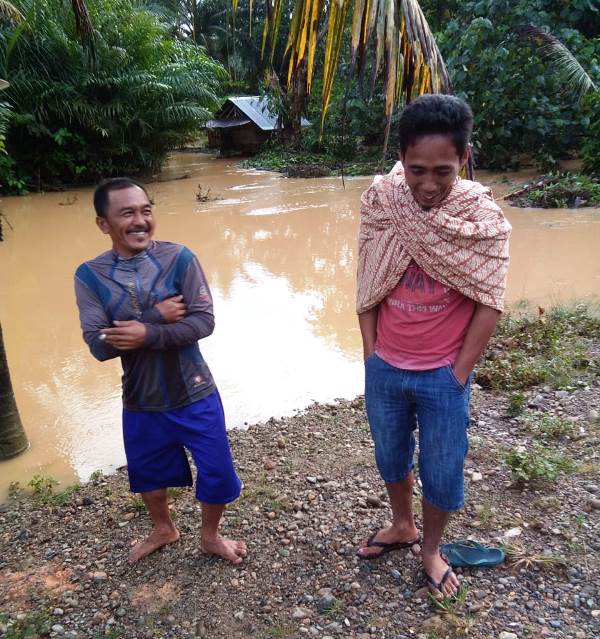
(169, 370)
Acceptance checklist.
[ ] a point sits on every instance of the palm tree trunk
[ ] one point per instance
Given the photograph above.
(299, 100)
(12, 436)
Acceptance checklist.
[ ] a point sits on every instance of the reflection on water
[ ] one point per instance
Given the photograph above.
(280, 257)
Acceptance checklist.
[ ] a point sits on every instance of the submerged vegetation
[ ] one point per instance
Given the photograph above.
(302, 164)
(560, 190)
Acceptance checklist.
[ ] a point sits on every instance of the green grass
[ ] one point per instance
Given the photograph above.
(175, 493)
(542, 465)
(452, 617)
(33, 626)
(516, 404)
(96, 476)
(42, 491)
(486, 515)
(551, 348)
(137, 504)
(548, 427)
(41, 486)
(336, 606)
(453, 604)
(580, 521)
(264, 494)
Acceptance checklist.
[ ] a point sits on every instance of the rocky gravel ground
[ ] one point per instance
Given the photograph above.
(311, 493)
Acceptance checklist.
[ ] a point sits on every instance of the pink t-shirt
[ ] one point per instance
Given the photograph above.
(422, 323)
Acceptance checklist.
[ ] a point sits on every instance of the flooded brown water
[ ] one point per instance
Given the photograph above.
(280, 257)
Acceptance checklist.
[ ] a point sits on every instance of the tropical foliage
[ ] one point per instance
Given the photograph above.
(521, 104)
(590, 151)
(390, 37)
(210, 24)
(75, 119)
(522, 65)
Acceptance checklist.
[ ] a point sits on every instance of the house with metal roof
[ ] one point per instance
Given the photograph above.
(243, 124)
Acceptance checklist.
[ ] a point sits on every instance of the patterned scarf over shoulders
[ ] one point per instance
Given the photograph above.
(463, 243)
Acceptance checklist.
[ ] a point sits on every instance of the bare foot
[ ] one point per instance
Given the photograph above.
(155, 540)
(391, 535)
(437, 568)
(233, 551)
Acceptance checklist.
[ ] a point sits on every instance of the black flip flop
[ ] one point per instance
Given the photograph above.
(437, 585)
(385, 547)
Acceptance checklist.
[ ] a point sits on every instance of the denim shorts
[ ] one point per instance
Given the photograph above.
(398, 400)
(155, 444)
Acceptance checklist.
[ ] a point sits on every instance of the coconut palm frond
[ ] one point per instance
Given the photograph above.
(9, 10)
(404, 50)
(577, 80)
(335, 31)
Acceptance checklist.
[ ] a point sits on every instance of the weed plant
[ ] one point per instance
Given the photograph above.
(34, 624)
(541, 466)
(552, 348)
(516, 404)
(548, 426)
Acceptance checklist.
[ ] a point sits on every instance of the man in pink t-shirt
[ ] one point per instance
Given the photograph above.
(421, 343)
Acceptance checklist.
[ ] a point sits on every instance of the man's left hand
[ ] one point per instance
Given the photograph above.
(461, 376)
(126, 336)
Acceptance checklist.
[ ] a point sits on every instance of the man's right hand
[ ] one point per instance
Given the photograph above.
(172, 309)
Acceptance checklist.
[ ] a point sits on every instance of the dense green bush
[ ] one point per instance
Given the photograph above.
(520, 103)
(590, 151)
(354, 120)
(147, 93)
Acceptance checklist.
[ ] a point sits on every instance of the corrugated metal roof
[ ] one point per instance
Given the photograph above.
(256, 108)
(226, 124)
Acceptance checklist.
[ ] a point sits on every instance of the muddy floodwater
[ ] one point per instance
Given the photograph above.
(280, 257)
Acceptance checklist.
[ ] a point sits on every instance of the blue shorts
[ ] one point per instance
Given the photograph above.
(155, 445)
(398, 400)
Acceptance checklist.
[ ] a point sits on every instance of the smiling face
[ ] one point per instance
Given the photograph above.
(128, 220)
(431, 166)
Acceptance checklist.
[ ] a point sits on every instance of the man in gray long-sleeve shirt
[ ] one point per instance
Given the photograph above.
(148, 303)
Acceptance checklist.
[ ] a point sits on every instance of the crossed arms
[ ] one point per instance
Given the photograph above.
(171, 323)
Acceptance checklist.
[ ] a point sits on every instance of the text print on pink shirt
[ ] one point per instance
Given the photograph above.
(425, 295)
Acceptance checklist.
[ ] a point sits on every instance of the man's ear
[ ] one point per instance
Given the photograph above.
(102, 224)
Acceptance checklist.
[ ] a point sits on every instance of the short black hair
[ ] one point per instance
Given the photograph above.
(436, 114)
(111, 184)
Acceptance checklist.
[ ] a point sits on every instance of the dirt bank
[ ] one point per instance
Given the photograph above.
(311, 493)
